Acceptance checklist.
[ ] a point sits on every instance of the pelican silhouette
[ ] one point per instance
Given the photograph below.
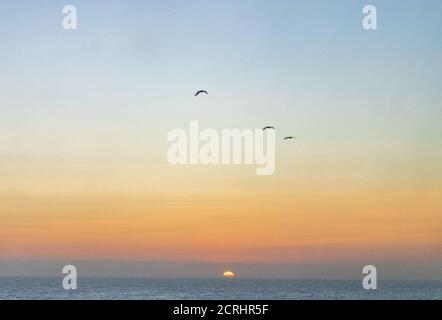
(290, 137)
(200, 91)
(268, 127)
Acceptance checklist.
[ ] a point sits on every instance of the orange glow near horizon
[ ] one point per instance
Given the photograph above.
(282, 227)
(303, 213)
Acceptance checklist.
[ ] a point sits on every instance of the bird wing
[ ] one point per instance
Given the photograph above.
(200, 91)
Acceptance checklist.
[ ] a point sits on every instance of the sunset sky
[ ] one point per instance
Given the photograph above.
(85, 115)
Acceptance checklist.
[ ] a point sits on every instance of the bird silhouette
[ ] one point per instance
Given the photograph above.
(288, 138)
(268, 127)
(200, 91)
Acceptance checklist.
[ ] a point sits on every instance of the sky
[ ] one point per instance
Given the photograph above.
(85, 115)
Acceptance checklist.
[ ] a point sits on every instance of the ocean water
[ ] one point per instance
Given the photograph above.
(224, 289)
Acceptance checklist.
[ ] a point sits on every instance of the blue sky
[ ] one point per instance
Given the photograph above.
(291, 52)
(134, 65)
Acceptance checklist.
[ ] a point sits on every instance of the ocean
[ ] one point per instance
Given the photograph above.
(212, 289)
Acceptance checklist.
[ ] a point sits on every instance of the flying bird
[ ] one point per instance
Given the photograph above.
(200, 91)
(268, 127)
(288, 138)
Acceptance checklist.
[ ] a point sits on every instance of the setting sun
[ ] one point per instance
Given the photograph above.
(228, 274)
